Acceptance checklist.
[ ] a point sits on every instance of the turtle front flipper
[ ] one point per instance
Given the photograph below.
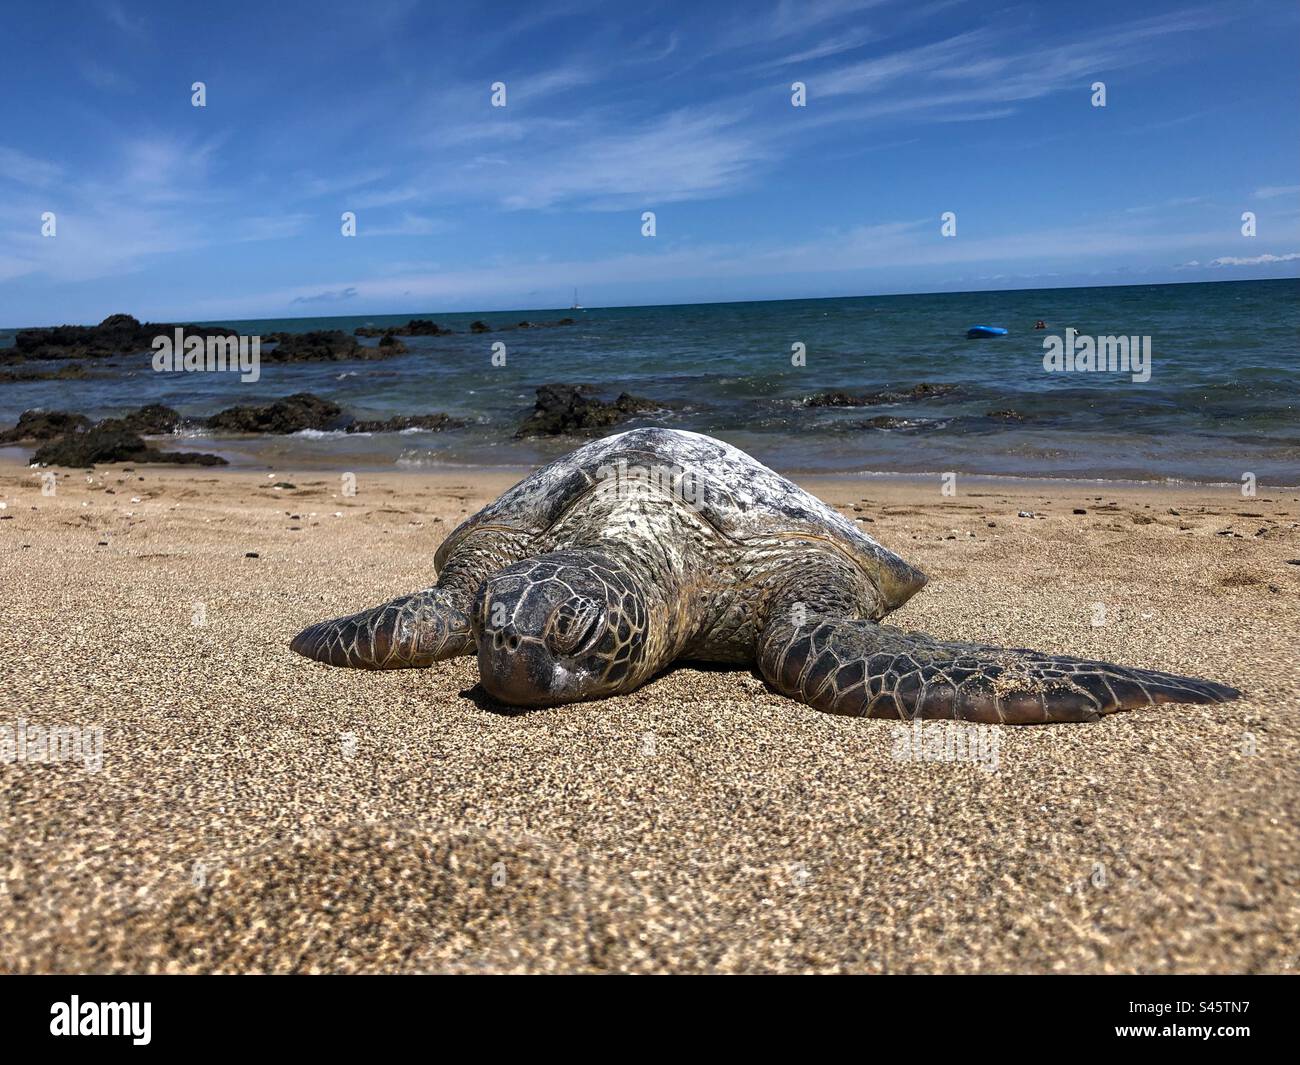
(867, 670)
(409, 632)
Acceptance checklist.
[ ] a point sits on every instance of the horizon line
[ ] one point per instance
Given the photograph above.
(706, 303)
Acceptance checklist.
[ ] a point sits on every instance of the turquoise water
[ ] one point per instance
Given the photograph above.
(1223, 397)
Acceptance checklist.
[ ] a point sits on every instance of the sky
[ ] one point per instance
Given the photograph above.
(233, 210)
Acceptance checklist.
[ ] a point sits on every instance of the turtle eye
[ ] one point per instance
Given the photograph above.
(573, 623)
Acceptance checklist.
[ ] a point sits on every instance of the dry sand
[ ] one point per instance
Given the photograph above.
(259, 812)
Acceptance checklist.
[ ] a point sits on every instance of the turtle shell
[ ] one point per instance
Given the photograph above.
(739, 496)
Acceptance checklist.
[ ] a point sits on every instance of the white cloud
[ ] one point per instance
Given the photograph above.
(1255, 260)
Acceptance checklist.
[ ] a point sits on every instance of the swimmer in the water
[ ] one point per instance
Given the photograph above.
(1040, 324)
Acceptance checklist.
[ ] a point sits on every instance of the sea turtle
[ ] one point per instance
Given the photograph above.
(600, 569)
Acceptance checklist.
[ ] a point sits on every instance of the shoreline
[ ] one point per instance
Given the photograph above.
(11, 460)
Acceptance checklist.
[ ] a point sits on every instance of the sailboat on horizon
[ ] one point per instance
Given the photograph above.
(576, 306)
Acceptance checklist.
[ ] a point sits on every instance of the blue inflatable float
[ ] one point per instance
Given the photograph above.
(985, 331)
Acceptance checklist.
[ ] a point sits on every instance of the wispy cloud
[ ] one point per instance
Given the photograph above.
(117, 14)
(1255, 260)
(340, 295)
(24, 169)
(1271, 192)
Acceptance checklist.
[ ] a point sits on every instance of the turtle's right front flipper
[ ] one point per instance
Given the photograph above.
(849, 666)
(412, 631)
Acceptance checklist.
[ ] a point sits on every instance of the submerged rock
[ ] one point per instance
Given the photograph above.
(838, 398)
(406, 421)
(564, 409)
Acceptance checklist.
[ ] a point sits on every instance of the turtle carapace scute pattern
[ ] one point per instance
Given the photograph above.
(602, 568)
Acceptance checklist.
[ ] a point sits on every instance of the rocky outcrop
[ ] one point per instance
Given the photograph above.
(320, 345)
(118, 334)
(416, 327)
(289, 415)
(44, 425)
(153, 420)
(562, 410)
(112, 441)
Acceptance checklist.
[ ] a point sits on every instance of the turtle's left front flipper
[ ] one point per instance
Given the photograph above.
(864, 669)
(410, 632)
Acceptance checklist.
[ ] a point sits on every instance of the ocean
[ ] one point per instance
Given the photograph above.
(1222, 399)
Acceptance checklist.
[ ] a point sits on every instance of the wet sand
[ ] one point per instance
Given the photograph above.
(255, 811)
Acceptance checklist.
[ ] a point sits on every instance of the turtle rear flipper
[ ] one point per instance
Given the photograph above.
(410, 632)
(863, 669)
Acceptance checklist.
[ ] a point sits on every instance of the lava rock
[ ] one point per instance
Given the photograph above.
(118, 334)
(289, 415)
(45, 425)
(405, 421)
(320, 345)
(112, 441)
(838, 398)
(572, 409)
(152, 420)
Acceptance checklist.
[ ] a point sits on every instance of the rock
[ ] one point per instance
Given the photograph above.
(422, 327)
(289, 415)
(833, 399)
(416, 327)
(72, 372)
(838, 398)
(1079, 510)
(391, 345)
(405, 421)
(479, 327)
(320, 345)
(571, 409)
(565, 321)
(44, 425)
(152, 420)
(1006, 415)
(112, 441)
(118, 334)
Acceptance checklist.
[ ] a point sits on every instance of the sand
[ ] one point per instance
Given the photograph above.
(255, 811)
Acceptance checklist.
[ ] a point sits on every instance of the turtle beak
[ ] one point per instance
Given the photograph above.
(525, 674)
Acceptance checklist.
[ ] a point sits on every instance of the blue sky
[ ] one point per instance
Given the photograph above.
(169, 211)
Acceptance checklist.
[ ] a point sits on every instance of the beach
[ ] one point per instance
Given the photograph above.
(245, 809)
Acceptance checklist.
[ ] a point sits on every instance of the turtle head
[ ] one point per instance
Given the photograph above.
(559, 628)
